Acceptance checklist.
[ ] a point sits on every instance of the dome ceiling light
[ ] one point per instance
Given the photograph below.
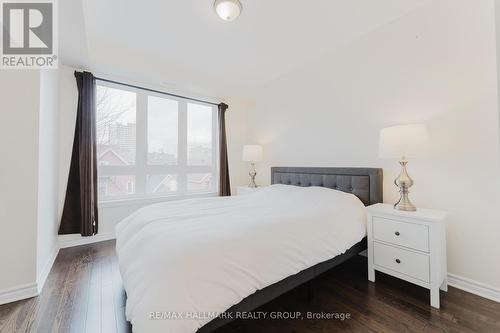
(228, 10)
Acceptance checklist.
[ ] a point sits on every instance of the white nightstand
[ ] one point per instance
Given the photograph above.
(242, 190)
(408, 245)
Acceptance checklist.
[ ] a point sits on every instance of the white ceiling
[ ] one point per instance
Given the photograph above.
(184, 46)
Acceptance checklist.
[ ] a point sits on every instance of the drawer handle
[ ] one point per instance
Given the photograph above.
(397, 233)
(398, 261)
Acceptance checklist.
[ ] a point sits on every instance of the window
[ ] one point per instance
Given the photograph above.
(151, 145)
(163, 131)
(199, 134)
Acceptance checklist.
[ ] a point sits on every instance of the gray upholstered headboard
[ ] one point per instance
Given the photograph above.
(365, 183)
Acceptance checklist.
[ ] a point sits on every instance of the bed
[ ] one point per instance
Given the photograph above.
(188, 265)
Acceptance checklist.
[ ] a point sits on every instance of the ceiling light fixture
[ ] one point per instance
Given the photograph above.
(228, 10)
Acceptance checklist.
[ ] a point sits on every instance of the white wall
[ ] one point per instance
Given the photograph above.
(497, 25)
(19, 91)
(436, 65)
(237, 117)
(28, 180)
(48, 173)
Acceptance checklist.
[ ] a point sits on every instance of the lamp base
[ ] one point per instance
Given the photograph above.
(405, 204)
(404, 182)
(252, 175)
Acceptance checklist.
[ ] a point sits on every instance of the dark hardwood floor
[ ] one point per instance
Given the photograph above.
(84, 294)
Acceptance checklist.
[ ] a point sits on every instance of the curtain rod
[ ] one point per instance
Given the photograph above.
(156, 91)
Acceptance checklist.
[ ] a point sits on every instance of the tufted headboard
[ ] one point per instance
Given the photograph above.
(365, 183)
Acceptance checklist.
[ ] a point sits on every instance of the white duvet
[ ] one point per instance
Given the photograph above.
(185, 259)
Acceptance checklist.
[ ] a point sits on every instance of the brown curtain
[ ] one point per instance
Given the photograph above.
(224, 186)
(80, 205)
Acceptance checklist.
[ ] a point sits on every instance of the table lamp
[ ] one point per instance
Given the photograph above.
(252, 154)
(402, 142)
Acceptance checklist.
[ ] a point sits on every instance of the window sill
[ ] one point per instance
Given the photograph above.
(151, 200)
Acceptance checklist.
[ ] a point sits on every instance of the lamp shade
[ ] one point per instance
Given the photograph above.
(252, 153)
(403, 141)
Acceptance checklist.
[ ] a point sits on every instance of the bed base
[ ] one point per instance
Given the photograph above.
(267, 294)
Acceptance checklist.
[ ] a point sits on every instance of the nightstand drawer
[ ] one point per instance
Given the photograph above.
(409, 235)
(406, 262)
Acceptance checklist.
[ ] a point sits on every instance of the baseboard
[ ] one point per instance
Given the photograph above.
(474, 287)
(34, 289)
(42, 277)
(18, 293)
(76, 240)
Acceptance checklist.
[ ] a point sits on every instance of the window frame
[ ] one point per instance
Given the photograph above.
(141, 169)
